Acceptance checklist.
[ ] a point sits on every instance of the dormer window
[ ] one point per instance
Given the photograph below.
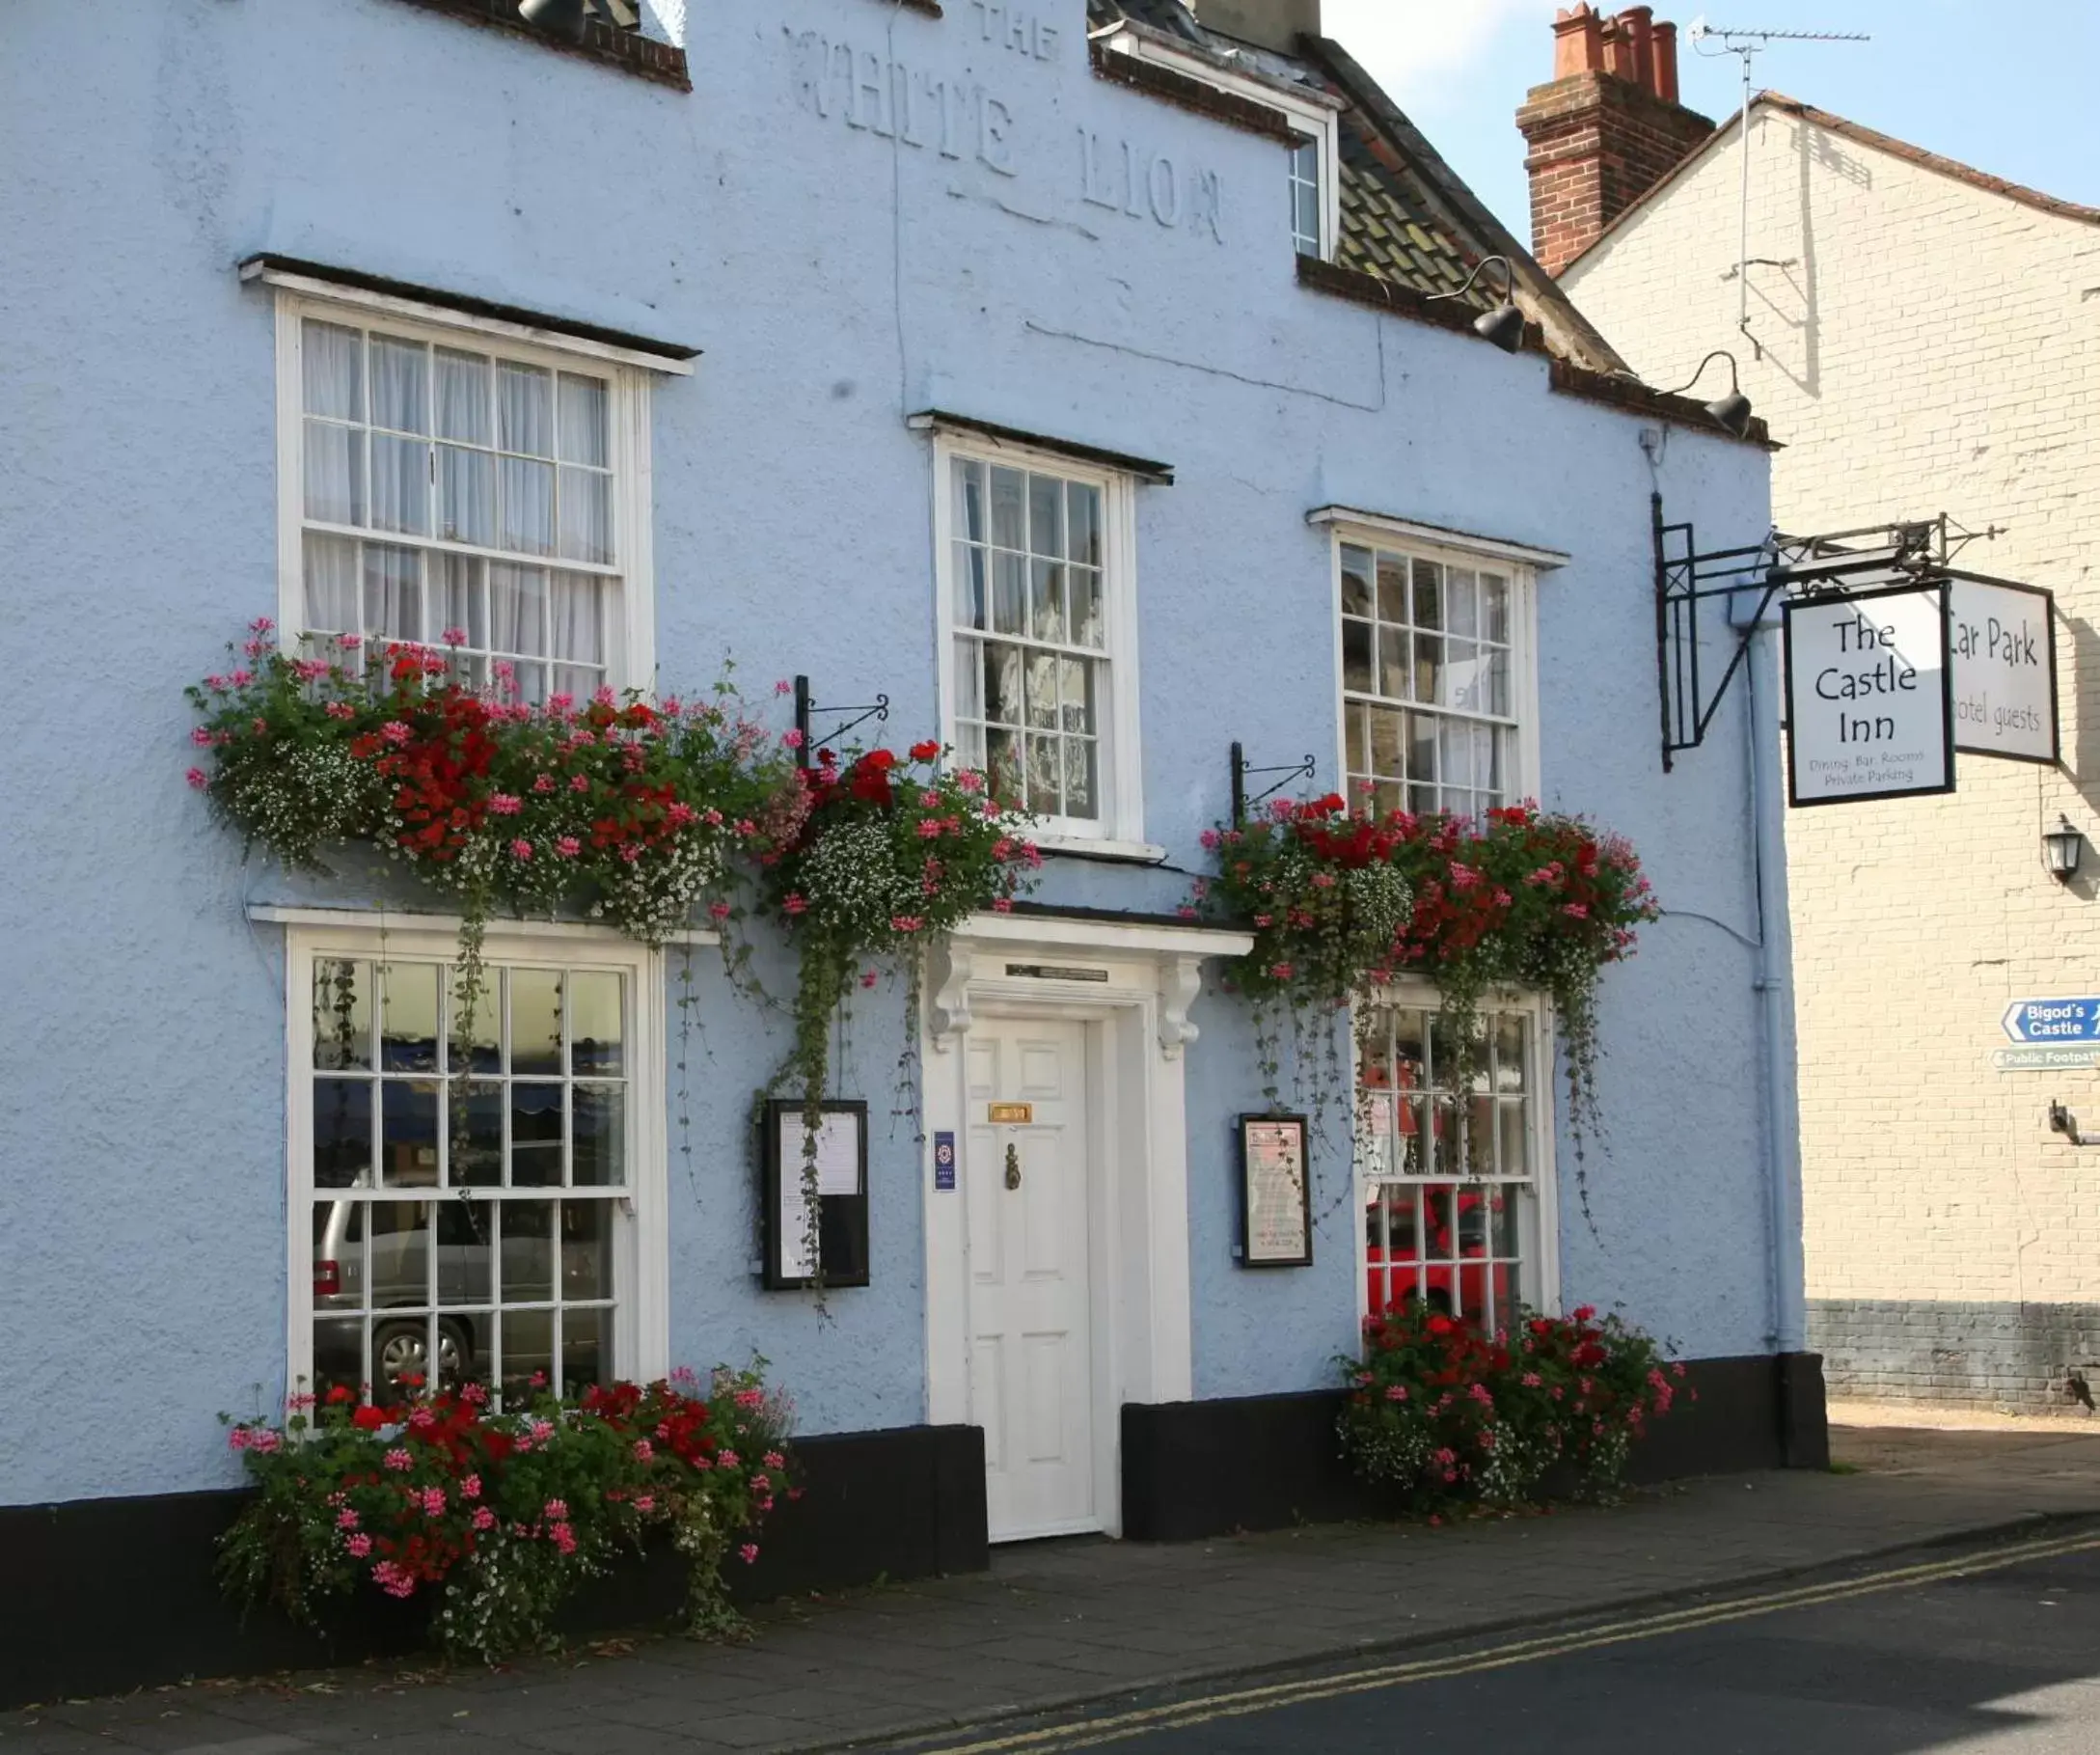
(1312, 174)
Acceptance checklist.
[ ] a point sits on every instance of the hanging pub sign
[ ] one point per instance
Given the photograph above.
(1276, 1195)
(1869, 696)
(2004, 650)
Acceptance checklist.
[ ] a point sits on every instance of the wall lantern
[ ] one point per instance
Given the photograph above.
(564, 18)
(2064, 848)
(1732, 411)
(1504, 325)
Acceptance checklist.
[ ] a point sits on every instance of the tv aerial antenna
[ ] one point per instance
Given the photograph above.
(1748, 44)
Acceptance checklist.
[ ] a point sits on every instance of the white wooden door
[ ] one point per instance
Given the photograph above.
(1030, 1350)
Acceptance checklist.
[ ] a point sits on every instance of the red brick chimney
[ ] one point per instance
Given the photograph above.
(1606, 130)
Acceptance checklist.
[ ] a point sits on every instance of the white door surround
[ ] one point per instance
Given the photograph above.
(1129, 984)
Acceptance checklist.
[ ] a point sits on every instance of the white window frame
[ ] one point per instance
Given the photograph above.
(1412, 993)
(1307, 113)
(1519, 564)
(642, 1268)
(630, 643)
(1119, 828)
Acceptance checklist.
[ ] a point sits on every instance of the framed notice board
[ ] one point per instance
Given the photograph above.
(842, 1197)
(1275, 1193)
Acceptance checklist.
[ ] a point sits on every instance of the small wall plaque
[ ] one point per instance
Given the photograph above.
(1011, 1114)
(842, 1197)
(945, 1163)
(1275, 1193)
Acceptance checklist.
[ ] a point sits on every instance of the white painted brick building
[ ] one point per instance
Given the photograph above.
(1923, 339)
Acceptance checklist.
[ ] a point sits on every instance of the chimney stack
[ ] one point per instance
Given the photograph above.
(1269, 24)
(1606, 130)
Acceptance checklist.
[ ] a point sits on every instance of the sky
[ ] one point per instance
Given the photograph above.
(2003, 85)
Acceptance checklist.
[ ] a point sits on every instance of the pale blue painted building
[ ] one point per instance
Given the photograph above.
(688, 343)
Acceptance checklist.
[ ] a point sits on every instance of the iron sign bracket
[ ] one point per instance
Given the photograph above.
(806, 709)
(1242, 770)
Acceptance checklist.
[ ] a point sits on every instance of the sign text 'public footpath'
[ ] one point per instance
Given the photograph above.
(1869, 702)
(2004, 669)
(2052, 1035)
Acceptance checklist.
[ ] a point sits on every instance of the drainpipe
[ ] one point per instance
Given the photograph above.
(1804, 1436)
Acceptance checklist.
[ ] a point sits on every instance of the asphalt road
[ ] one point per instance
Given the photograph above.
(1995, 1652)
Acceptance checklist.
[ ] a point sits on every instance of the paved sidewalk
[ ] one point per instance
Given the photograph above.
(1058, 1622)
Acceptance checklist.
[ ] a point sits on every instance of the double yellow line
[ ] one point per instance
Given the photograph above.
(1242, 1702)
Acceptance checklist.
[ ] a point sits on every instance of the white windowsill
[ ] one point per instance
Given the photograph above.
(1098, 847)
(407, 921)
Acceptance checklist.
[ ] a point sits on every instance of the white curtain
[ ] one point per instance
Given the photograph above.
(401, 467)
(331, 584)
(578, 634)
(466, 477)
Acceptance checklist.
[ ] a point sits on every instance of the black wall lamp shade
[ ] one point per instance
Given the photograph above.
(1504, 325)
(1731, 412)
(564, 18)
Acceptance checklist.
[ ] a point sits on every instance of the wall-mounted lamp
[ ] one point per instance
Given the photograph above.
(564, 18)
(2063, 847)
(1732, 411)
(1504, 325)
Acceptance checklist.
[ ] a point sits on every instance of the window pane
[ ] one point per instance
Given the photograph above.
(577, 621)
(1083, 506)
(1002, 682)
(586, 516)
(1387, 732)
(1355, 724)
(463, 396)
(331, 584)
(1395, 663)
(1042, 699)
(1357, 577)
(400, 484)
(1087, 623)
(335, 473)
(1461, 676)
(1047, 602)
(536, 1135)
(970, 586)
(585, 425)
(1494, 599)
(342, 1013)
(342, 1133)
(586, 1349)
(1080, 796)
(597, 1022)
(1514, 1148)
(517, 605)
(1047, 516)
(528, 1252)
(1460, 605)
(339, 1356)
(587, 1249)
(1512, 1054)
(525, 522)
(1393, 588)
(969, 682)
(1009, 508)
(466, 495)
(458, 601)
(1498, 683)
(535, 1020)
(1046, 773)
(332, 370)
(1428, 665)
(392, 594)
(399, 1253)
(598, 1144)
(1357, 672)
(1075, 695)
(408, 1040)
(970, 505)
(528, 1354)
(408, 1128)
(1009, 594)
(400, 385)
(478, 1139)
(1429, 600)
(525, 410)
(466, 1249)
(1002, 758)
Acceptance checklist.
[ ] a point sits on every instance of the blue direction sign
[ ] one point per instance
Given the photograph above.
(2053, 1020)
(944, 1163)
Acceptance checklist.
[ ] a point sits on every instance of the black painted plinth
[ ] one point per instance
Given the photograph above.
(108, 1595)
(1204, 1469)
